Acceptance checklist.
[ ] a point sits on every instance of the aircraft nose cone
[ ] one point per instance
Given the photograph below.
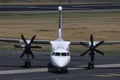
(60, 61)
(62, 64)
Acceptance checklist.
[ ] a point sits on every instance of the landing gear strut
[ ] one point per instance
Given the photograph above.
(91, 63)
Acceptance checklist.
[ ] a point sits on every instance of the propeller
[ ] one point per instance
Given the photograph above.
(92, 50)
(92, 47)
(27, 51)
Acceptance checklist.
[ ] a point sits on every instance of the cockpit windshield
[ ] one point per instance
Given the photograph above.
(57, 54)
(60, 54)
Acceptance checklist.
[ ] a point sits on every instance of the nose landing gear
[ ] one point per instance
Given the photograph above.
(54, 69)
(90, 65)
(27, 64)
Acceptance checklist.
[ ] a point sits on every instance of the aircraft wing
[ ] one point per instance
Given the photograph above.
(48, 41)
(87, 42)
(111, 42)
(41, 42)
(9, 40)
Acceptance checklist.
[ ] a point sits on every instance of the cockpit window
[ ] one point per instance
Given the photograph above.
(63, 54)
(57, 54)
(60, 54)
(53, 53)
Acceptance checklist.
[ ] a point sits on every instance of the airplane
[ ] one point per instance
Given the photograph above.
(60, 56)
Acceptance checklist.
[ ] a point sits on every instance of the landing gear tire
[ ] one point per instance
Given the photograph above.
(51, 68)
(27, 64)
(63, 70)
(90, 65)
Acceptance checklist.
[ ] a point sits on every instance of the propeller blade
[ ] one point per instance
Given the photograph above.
(32, 55)
(84, 44)
(91, 39)
(22, 55)
(32, 39)
(100, 52)
(19, 46)
(23, 38)
(101, 42)
(36, 47)
(85, 52)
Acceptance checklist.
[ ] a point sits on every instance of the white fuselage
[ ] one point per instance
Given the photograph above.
(60, 55)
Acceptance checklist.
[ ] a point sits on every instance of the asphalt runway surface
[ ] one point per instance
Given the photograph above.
(54, 7)
(106, 68)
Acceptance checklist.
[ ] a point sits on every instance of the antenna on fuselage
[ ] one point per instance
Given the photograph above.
(59, 22)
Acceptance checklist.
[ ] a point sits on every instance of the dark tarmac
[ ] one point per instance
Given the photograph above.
(106, 68)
